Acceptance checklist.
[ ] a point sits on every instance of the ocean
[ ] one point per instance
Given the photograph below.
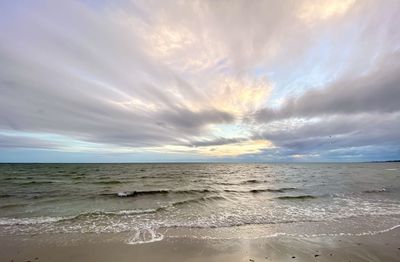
(149, 202)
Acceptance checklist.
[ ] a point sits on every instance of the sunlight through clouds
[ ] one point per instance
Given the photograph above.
(314, 11)
(240, 96)
(237, 149)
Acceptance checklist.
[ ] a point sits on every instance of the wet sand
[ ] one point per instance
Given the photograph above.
(103, 247)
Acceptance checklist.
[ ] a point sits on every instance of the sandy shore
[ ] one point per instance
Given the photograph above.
(103, 247)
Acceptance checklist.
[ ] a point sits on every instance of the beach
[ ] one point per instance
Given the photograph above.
(200, 212)
(103, 247)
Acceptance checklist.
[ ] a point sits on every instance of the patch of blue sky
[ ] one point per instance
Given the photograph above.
(315, 69)
(64, 142)
(231, 131)
(51, 156)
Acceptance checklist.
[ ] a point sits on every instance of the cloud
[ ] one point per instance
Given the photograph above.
(312, 11)
(337, 133)
(216, 142)
(199, 77)
(240, 97)
(8, 141)
(235, 149)
(87, 79)
(189, 120)
(353, 112)
(374, 91)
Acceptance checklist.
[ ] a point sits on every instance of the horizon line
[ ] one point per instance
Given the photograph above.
(214, 162)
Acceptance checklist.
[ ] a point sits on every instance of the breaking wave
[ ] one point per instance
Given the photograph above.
(375, 191)
(196, 191)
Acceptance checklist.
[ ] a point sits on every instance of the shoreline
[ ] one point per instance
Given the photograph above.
(109, 247)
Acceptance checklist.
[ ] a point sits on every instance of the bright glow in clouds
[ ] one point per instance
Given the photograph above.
(237, 80)
(240, 96)
(236, 149)
(313, 11)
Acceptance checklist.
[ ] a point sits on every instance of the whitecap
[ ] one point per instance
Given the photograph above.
(123, 194)
(133, 211)
(29, 221)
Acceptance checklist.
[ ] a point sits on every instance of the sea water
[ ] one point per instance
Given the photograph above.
(208, 200)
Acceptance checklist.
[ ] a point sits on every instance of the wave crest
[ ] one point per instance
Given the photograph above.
(300, 197)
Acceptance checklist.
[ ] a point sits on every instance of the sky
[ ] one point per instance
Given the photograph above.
(167, 81)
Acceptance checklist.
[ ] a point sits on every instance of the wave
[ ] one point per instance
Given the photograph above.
(249, 181)
(242, 223)
(137, 193)
(99, 214)
(197, 191)
(134, 211)
(161, 208)
(12, 205)
(5, 221)
(252, 181)
(196, 200)
(381, 190)
(37, 183)
(194, 191)
(272, 190)
(158, 192)
(277, 190)
(287, 234)
(262, 190)
(297, 197)
(365, 233)
(224, 183)
(111, 182)
(5, 195)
